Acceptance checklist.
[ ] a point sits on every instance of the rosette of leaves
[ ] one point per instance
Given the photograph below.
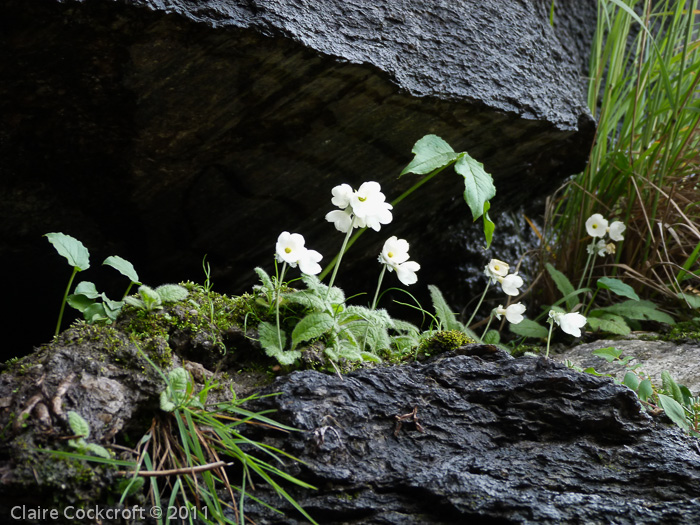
(150, 299)
(355, 333)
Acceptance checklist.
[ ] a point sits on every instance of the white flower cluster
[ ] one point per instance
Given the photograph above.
(365, 207)
(498, 271)
(395, 256)
(290, 249)
(597, 226)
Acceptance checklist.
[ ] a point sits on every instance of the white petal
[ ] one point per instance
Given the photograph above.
(496, 269)
(406, 272)
(602, 248)
(514, 313)
(596, 225)
(289, 247)
(308, 264)
(395, 251)
(341, 219)
(341, 196)
(616, 229)
(511, 283)
(572, 323)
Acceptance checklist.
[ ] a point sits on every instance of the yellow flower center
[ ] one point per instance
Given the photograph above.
(362, 199)
(287, 250)
(594, 226)
(390, 255)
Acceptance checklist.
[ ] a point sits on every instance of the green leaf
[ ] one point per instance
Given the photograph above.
(78, 425)
(95, 313)
(87, 289)
(692, 300)
(674, 411)
(312, 326)
(151, 299)
(478, 185)
(267, 336)
(431, 153)
(492, 337)
(639, 310)
(645, 390)
(631, 380)
(617, 287)
(97, 450)
(171, 293)
(175, 392)
(123, 266)
(489, 226)
(606, 322)
(72, 249)
(444, 312)
(529, 328)
(609, 353)
(79, 302)
(671, 387)
(564, 286)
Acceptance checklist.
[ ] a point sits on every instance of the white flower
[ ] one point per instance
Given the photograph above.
(367, 205)
(615, 231)
(596, 225)
(496, 269)
(571, 323)
(601, 247)
(290, 249)
(395, 256)
(511, 283)
(406, 272)
(341, 219)
(394, 252)
(309, 263)
(514, 312)
(342, 195)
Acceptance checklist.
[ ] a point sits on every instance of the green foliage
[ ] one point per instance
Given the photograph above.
(150, 300)
(444, 341)
(617, 287)
(529, 328)
(433, 154)
(72, 249)
(81, 429)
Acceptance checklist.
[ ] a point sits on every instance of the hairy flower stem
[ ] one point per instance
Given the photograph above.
(379, 285)
(549, 336)
(478, 305)
(336, 260)
(339, 257)
(65, 297)
(277, 304)
(583, 282)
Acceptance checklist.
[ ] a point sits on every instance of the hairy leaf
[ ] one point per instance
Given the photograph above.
(171, 293)
(444, 313)
(71, 248)
(312, 326)
(670, 386)
(78, 425)
(97, 450)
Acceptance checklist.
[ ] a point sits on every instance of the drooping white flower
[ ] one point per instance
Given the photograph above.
(615, 231)
(571, 323)
(290, 249)
(511, 283)
(602, 248)
(341, 219)
(596, 225)
(394, 252)
(395, 256)
(496, 269)
(308, 264)
(406, 272)
(514, 312)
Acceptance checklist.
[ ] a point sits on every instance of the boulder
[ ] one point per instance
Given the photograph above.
(162, 130)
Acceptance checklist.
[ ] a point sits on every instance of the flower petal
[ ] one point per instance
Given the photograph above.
(406, 272)
(596, 225)
(341, 219)
(616, 229)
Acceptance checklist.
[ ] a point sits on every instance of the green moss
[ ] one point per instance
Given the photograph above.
(443, 341)
(680, 333)
(520, 350)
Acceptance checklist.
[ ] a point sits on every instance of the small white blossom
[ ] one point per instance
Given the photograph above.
(290, 249)
(596, 225)
(342, 195)
(496, 269)
(615, 231)
(571, 323)
(511, 283)
(367, 205)
(514, 312)
(395, 256)
(341, 219)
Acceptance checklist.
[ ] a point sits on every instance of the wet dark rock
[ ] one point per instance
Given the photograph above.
(501, 440)
(165, 130)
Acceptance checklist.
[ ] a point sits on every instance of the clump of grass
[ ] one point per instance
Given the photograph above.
(644, 167)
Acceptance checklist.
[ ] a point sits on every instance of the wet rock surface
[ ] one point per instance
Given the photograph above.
(163, 130)
(486, 438)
